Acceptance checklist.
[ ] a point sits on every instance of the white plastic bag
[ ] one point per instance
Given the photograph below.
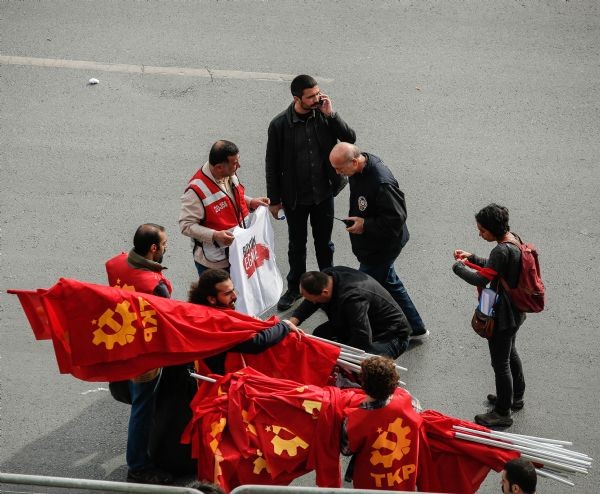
(253, 268)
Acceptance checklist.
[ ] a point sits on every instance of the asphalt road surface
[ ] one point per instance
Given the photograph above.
(467, 102)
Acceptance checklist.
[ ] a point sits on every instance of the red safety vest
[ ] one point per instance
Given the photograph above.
(122, 275)
(220, 212)
(385, 441)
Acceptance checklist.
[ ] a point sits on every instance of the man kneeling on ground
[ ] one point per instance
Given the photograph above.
(361, 312)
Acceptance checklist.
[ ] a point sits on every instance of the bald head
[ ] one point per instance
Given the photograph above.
(346, 159)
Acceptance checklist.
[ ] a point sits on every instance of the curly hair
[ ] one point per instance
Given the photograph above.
(494, 218)
(379, 377)
(206, 286)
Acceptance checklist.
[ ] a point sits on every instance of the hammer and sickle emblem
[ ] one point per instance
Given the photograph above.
(260, 464)
(122, 333)
(398, 448)
(289, 445)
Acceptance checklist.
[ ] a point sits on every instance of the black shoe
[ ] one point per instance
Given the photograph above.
(419, 334)
(149, 476)
(516, 404)
(288, 299)
(493, 419)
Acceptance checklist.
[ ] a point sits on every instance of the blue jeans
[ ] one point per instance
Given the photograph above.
(391, 348)
(140, 422)
(386, 275)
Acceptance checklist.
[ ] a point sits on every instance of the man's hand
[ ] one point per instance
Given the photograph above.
(258, 201)
(327, 106)
(274, 209)
(294, 328)
(223, 237)
(294, 320)
(358, 227)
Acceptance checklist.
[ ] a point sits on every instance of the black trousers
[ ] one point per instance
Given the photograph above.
(508, 370)
(321, 223)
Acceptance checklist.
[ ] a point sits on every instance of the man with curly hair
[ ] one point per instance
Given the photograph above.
(382, 433)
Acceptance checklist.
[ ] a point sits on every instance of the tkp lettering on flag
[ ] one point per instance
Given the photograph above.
(122, 330)
(254, 256)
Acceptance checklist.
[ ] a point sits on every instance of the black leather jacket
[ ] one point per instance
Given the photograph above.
(280, 157)
(360, 310)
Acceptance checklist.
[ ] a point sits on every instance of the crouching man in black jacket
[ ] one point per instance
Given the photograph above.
(361, 312)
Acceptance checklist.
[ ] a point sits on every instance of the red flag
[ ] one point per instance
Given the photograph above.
(488, 273)
(35, 312)
(252, 429)
(280, 430)
(447, 464)
(305, 360)
(102, 333)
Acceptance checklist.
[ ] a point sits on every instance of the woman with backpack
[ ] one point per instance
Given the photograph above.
(504, 263)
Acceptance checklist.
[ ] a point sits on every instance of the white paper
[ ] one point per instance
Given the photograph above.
(487, 300)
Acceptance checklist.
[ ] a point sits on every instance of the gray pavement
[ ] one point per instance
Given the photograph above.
(468, 103)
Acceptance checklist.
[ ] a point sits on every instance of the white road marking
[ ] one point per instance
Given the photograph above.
(149, 69)
(93, 390)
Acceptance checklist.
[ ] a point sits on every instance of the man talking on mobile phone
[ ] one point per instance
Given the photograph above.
(299, 176)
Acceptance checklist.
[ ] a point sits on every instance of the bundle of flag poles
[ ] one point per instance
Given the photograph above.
(350, 357)
(551, 454)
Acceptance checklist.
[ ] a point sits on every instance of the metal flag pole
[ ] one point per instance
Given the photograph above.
(200, 377)
(552, 476)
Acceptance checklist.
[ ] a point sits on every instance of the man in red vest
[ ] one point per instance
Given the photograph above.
(214, 202)
(141, 271)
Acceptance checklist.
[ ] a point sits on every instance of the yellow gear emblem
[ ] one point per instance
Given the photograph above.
(289, 445)
(312, 407)
(260, 464)
(398, 448)
(216, 428)
(123, 333)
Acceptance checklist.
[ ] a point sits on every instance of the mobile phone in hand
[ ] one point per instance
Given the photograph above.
(345, 222)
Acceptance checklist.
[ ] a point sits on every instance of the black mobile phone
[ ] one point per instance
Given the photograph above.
(345, 222)
(321, 101)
